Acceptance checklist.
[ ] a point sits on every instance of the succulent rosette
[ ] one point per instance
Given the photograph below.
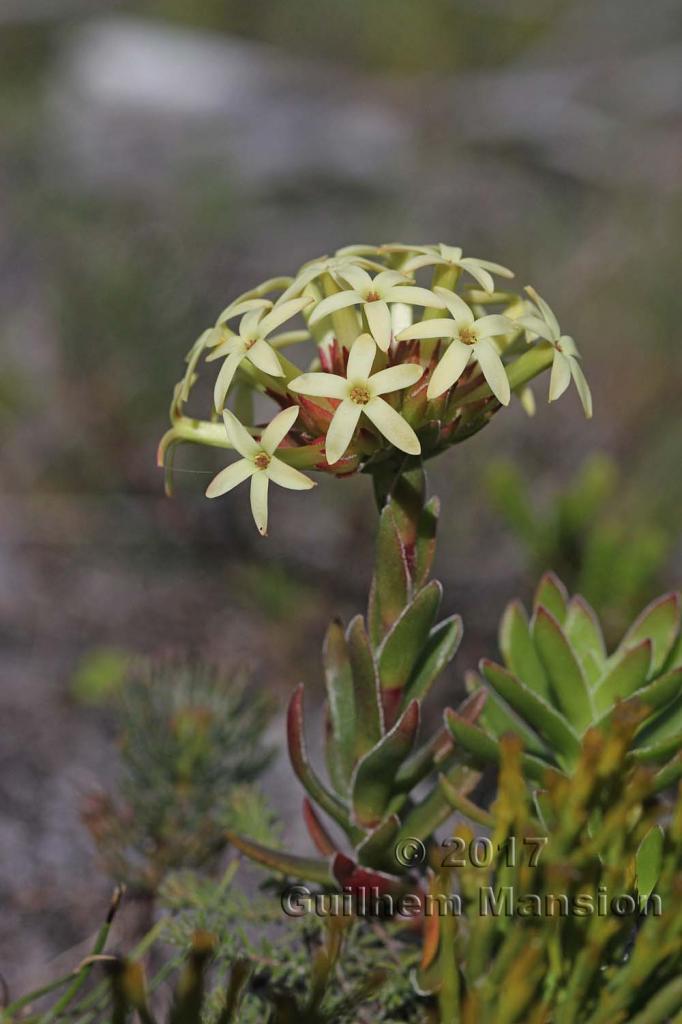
(410, 349)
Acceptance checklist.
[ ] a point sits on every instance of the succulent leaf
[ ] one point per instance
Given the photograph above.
(405, 641)
(374, 774)
(564, 671)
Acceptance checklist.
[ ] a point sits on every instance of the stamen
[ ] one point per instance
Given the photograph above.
(359, 394)
(467, 336)
(262, 461)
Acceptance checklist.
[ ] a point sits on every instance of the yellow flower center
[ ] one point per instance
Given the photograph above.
(467, 335)
(262, 461)
(359, 394)
(250, 343)
(372, 297)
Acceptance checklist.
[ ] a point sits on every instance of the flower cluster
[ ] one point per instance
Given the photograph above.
(400, 368)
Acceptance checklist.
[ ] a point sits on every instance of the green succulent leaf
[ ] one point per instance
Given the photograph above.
(547, 722)
(390, 589)
(373, 779)
(499, 719)
(648, 862)
(626, 672)
(404, 643)
(309, 868)
(660, 621)
(377, 849)
(438, 651)
(666, 723)
(564, 671)
(585, 636)
(425, 545)
(299, 760)
(483, 750)
(367, 700)
(552, 595)
(341, 704)
(518, 649)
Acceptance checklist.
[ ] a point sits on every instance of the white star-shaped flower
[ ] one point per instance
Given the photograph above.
(471, 339)
(334, 265)
(374, 294)
(359, 392)
(566, 365)
(250, 343)
(260, 463)
(442, 255)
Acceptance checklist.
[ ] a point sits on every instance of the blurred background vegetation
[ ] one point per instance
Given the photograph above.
(157, 158)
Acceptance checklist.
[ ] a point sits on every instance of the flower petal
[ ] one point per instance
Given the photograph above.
(361, 357)
(489, 326)
(249, 325)
(286, 476)
(493, 370)
(230, 477)
(278, 428)
(449, 369)
(545, 309)
(379, 322)
(356, 277)
(395, 429)
(239, 437)
(395, 377)
(560, 376)
(319, 385)
(259, 500)
(282, 312)
(224, 378)
(582, 387)
(478, 273)
(537, 326)
(239, 308)
(429, 329)
(341, 430)
(417, 262)
(388, 279)
(494, 268)
(265, 358)
(334, 302)
(450, 253)
(414, 296)
(456, 305)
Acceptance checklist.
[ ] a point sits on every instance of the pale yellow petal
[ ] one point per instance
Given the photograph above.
(278, 428)
(259, 500)
(282, 312)
(414, 296)
(456, 305)
(429, 329)
(286, 476)
(379, 322)
(265, 358)
(395, 377)
(391, 424)
(239, 437)
(560, 377)
(329, 305)
(493, 370)
(224, 378)
(449, 369)
(341, 430)
(230, 477)
(319, 385)
(361, 357)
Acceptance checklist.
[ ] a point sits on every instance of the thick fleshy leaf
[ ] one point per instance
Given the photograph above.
(377, 849)
(552, 595)
(316, 830)
(405, 643)
(648, 862)
(482, 750)
(390, 589)
(425, 544)
(498, 718)
(627, 670)
(373, 779)
(341, 704)
(519, 651)
(584, 633)
(660, 751)
(565, 674)
(662, 691)
(544, 719)
(667, 723)
(308, 868)
(299, 761)
(437, 652)
(669, 775)
(461, 803)
(367, 698)
(660, 621)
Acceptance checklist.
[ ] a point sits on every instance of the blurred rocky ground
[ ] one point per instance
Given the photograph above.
(149, 170)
